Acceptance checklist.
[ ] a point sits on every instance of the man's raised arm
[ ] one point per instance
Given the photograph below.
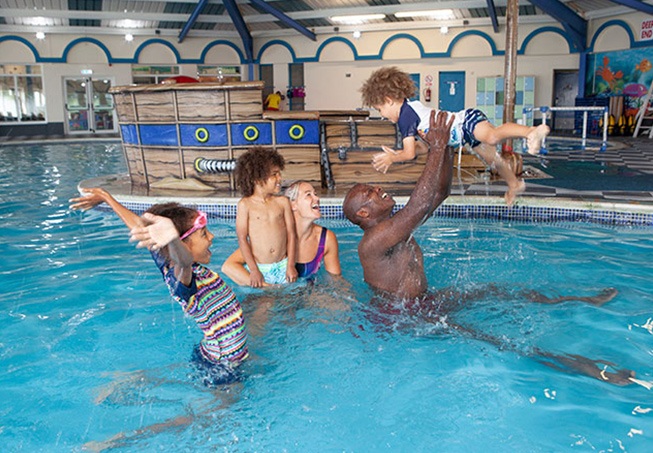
(434, 185)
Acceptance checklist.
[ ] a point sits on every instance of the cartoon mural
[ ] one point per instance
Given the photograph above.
(624, 73)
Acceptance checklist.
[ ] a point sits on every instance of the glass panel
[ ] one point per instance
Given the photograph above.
(76, 98)
(8, 107)
(30, 98)
(104, 120)
(78, 121)
(101, 97)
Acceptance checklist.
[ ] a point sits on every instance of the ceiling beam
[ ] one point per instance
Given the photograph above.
(493, 15)
(573, 24)
(191, 20)
(285, 19)
(636, 4)
(241, 28)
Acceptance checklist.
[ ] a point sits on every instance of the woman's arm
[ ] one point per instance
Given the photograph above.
(234, 268)
(97, 196)
(291, 246)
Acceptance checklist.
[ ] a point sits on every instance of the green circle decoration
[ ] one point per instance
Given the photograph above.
(296, 132)
(201, 134)
(250, 133)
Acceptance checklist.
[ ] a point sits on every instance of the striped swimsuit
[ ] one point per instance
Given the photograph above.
(215, 309)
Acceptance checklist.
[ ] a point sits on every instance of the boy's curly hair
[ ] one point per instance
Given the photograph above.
(387, 82)
(255, 166)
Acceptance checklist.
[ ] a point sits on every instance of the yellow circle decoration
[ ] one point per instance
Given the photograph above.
(250, 133)
(296, 132)
(201, 134)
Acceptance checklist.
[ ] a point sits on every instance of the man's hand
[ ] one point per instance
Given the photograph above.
(291, 274)
(439, 130)
(382, 161)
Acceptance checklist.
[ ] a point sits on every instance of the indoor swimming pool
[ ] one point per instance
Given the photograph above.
(95, 354)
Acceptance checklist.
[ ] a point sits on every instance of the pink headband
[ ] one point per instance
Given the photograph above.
(200, 222)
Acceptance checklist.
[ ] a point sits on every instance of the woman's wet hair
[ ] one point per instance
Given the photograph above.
(292, 191)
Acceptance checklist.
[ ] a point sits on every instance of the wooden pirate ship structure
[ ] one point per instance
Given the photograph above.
(197, 130)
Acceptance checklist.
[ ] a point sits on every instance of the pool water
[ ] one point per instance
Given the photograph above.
(94, 350)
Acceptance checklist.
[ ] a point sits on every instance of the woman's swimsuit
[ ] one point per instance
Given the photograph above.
(311, 268)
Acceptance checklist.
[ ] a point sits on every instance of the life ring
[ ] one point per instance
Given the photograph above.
(296, 132)
(251, 133)
(202, 135)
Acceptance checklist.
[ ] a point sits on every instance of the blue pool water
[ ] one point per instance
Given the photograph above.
(92, 348)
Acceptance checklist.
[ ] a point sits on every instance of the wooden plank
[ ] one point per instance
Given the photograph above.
(358, 169)
(375, 128)
(376, 141)
(254, 85)
(308, 154)
(338, 142)
(338, 129)
(245, 105)
(161, 163)
(135, 165)
(124, 108)
(201, 106)
(155, 107)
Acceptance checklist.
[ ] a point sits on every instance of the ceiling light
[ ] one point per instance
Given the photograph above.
(358, 19)
(444, 29)
(129, 37)
(436, 14)
(357, 34)
(40, 35)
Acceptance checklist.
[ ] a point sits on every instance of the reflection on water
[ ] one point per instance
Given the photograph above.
(94, 350)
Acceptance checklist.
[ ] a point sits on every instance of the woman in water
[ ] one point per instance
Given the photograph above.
(315, 243)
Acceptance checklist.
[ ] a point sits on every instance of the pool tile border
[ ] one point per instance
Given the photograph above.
(469, 207)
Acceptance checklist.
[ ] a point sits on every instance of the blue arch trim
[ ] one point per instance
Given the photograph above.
(163, 42)
(222, 42)
(73, 43)
(483, 35)
(534, 33)
(276, 42)
(613, 23)
(387, 42)
(22, 40)
(336, 39)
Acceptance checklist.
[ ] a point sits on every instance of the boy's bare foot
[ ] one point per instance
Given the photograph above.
(534, 139)
(512, 192)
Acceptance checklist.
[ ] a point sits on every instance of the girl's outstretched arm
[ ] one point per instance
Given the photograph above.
(97, 196)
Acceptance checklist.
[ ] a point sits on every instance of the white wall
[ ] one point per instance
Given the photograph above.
(333, 82)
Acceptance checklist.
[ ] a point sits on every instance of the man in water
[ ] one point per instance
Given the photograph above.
(393, 264)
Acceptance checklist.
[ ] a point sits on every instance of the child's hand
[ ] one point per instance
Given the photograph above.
(382, 161)
(159, 232)
(291, 274)
(256, 279)
(93, 198)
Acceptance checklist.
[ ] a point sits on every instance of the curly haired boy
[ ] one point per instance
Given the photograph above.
(388, 89)
(264, 222)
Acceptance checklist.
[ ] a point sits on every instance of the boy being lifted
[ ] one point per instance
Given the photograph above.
(388, 89)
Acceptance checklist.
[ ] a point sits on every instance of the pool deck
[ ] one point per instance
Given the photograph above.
(623, 195)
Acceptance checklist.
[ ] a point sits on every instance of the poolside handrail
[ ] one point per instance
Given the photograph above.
(544, 110)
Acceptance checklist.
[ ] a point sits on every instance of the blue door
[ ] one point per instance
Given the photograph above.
(451, 91)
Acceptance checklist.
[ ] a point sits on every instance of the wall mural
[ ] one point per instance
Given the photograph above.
(626, 74)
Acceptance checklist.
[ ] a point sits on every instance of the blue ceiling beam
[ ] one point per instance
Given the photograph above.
(573, 24)
(191, 20)
(493, 15)
(241, 27)
(636, 4)
(285, 19)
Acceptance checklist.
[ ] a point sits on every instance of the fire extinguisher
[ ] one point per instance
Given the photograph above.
(427, 94)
